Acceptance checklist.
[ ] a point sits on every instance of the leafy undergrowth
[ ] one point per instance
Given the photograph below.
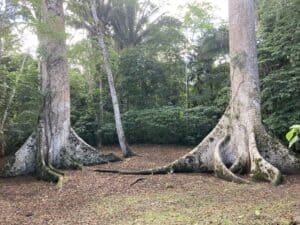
(90, 198)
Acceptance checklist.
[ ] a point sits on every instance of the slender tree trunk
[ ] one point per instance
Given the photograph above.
(239, 143)
(2, 144)
(99, 113)
(101, 110)
(187, 95)
(127, 152)
(1, 48)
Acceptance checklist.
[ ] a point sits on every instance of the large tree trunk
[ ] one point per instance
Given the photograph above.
(55, 143)
(127, 152)
(55, 125)
(239, 143)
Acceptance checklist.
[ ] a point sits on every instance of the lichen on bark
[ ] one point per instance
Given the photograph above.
(55, 144)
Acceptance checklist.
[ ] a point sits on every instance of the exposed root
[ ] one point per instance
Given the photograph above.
(213, 154)
(203, 150)
(237, 166)
(23, 161)
(55, 170)
(43, 171)
(220, 169)
(200, 159)
(30, 158)
(260, 168)
(276, 153)
(207, 156)
(110, 171)
(160, 170)
(82, 153)
(67, 162)
(129, 153)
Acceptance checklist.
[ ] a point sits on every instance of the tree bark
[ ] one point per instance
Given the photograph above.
(101, 111)
(239, 141)
(55, 144)
(55, 84)
(2, 144)
(1, 48)
(127, 152)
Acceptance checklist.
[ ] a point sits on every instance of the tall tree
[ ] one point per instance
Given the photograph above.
(86, 53)
(127, 152)
(94, 16)
(239, 143)
(55, 144)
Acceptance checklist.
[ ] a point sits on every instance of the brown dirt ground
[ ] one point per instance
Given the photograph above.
(88, 198)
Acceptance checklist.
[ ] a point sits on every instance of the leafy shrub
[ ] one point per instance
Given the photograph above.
(166, 125)
(293, 136)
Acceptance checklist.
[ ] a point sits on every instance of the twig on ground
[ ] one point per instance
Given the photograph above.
(137, 180)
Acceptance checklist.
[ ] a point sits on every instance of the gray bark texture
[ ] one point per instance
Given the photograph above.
(127, 152)
(239, 144)
(55, 144)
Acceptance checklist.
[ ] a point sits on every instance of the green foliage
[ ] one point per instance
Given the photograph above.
(170, 125)
(151, 78)
(144, 81)
(22, 113)
(150, 74)
(165, 125)
(8, 38)
(199, 17)
(209, 67)
(293, 136)
(279, 62)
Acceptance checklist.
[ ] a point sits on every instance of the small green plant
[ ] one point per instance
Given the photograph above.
(293, 136)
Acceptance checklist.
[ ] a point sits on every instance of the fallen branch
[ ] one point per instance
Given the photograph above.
(137, 180)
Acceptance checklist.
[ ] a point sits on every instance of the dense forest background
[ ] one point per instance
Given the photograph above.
(172, 88)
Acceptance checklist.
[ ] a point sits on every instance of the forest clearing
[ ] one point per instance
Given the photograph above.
(87, 197)
(149, 112)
